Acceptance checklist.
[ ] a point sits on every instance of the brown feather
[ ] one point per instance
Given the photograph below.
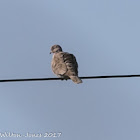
(65, 64)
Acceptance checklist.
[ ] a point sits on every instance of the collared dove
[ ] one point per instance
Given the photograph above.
(64, 64)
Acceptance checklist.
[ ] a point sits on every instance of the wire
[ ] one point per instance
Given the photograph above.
(90, 77)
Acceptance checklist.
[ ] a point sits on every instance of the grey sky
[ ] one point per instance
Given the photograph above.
(104, 37)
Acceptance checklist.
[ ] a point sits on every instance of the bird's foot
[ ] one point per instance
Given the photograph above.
(64, 79)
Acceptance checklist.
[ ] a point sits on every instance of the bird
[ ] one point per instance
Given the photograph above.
(64, 64)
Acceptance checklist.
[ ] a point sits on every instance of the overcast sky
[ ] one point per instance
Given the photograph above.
(104, 35)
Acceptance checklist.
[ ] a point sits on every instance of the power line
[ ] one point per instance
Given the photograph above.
(89, 77)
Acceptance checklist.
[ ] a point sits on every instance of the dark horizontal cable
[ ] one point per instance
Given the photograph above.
(89, 77)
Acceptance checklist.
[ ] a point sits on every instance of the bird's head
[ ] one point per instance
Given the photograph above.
(56, 49)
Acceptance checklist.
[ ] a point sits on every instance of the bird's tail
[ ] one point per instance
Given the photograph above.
(75, 79)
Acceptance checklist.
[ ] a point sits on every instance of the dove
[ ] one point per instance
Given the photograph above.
(64, 64)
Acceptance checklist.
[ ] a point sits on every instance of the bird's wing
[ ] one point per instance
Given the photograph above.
(64, 63)
(71, 64)
(72, 68)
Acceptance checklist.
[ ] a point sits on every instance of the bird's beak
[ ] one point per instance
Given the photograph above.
(50, 52)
